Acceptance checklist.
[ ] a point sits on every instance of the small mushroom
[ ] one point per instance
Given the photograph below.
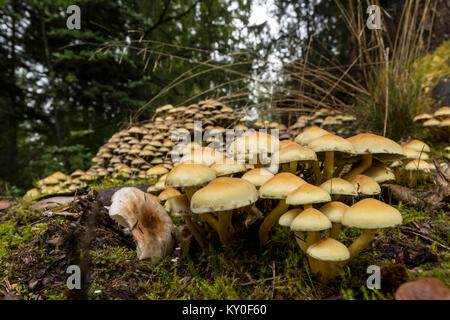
(369, 215)
(277, 187)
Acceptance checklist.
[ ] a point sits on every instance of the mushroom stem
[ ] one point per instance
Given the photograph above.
(211, 221)
(194, 231)
(270, 221)
(412, 179)
(363, 165)
(328, 165)
(335, 230)
(301, 243)
(293, 167)
(328, 271)
(317, 175)
(208, 218)
(311, 238)
(359, 244)
(225, 227)
(307, 206)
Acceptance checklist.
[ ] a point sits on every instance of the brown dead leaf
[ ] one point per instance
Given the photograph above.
(52, 202)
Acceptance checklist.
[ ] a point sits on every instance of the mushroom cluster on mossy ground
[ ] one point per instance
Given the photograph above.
(316, 183)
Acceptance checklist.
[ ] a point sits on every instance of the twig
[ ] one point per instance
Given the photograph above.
(251, 283)
(427, 238)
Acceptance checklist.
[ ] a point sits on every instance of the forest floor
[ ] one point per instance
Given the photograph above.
(36, 250)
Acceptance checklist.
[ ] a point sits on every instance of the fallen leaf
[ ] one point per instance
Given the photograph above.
(51, 202)
(4, 204)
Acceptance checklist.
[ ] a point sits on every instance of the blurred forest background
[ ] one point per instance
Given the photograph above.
(63, 92)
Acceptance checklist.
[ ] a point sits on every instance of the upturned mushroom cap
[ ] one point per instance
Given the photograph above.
(224, 194)
(228, 166)
(257, 176)
(366, 185)
(328, 249)
(310, 220)
(287, 217)
(413, 154)
(331, 142)
(339, 186)
(380, 174)
(190, 175)
(371, 214)
(280, 185)
(368, 143)
(309, 135)
(418, 146)
(294, 152)
(334, 211)
(307, 194)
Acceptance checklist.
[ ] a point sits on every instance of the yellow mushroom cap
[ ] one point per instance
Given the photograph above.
(444, 111)
(287, 217)
(309, 135)
(431, 123)
(366, 185)
(413, 154)
(204, 155)
(334, 211)
(445, 123)
(422, 116)
(224, 194)
(228, 166)
(179, 205)
(380, 174)
(371, 214)
(368, 143)
(285, 143)
(328, 249)
(331, 142)
(157, 170)
(418, 146)
(257, 176)
(339, 186)
(419, 165)
(190, 175)
(280, 185)
(310, 220)
(168, 193)
(254, 143)
(307, 194)
(294, 152)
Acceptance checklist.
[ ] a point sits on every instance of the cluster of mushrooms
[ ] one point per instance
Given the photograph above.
(131, 153)
(438, 123)
(415, 167)
(260, 178)
(315, 184)
(334, 121)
